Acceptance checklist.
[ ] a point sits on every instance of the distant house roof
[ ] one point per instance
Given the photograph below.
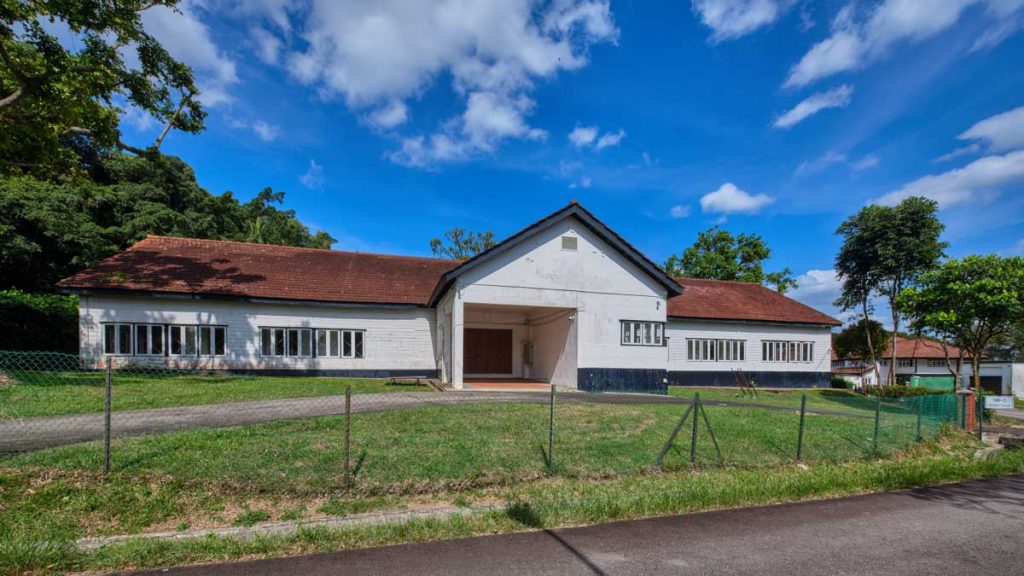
(246, 270)
(920, 348)
(853, 370)
(723, 300)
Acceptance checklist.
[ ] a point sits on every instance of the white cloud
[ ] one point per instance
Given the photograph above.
(265, 131)
(855, 42)
(373, 53)
(138, 119)
(729, 199)
(187, 39)
(584, 182)
(1000, 132)
(979, 181)
(827, 159)
(729, 19)
(958, 152)
(1019, 248)
(818, 289)
(866, 163)
(679, 211)
(583, 136)
(392, 114)
(268, 46)
(610, 139)
(587, 136)
(314, 176)
(838, 97)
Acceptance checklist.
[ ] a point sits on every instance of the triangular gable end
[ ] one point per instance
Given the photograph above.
(590, 221)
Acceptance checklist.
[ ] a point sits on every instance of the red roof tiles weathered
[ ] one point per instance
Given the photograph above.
(920, 348)
(239, 269)
(722, 300)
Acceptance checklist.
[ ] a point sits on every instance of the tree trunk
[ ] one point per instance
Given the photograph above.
(895, 329)
(976, 377)
(871, 345)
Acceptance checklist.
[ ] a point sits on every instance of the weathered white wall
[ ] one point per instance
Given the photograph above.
(1012, 374)
(753, 334)
(395, 338)
(594, 280)
(555, 354)
(920, 368)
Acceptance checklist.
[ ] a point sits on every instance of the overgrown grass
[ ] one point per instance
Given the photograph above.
(57, 393)
(547, 503)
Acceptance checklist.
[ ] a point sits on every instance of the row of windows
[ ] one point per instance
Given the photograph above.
(122, 339)
(786, 351)
(909, 362)
(643, 333)
(161, 340)
(299, 342)
(709, 349)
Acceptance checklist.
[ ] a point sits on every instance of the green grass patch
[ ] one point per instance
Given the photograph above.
(548, 503)
(57, 393)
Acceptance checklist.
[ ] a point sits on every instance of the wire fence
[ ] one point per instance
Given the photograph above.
(299, 435)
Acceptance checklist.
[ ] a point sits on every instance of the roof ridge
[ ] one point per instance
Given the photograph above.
(677, 278)
(287, 247)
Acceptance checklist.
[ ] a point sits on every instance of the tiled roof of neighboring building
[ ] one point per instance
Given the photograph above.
(920, 348)
(723, 300)
(239, 269)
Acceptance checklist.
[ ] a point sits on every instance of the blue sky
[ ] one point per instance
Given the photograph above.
(388, 122)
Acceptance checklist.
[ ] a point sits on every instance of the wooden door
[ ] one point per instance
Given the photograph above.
(487, 351)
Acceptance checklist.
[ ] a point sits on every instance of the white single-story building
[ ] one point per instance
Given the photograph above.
(998, 376)
(565, 301)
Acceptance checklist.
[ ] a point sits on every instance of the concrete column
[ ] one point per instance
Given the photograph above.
(458, 346)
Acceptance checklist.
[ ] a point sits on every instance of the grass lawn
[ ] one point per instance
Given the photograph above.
(56, 393)
(43, 510)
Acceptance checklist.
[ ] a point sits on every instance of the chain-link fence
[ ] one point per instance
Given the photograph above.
(300, 435)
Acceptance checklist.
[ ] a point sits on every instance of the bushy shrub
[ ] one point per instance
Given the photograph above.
(901, 391)
(841, 383)
(38, 322)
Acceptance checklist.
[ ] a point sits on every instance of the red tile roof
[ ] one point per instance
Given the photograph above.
(920, 348)
(722, 300)
(239, 269)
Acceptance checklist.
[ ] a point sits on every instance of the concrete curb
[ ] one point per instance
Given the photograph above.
(288, 528)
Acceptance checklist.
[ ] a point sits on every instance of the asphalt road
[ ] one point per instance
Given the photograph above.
(970, 528)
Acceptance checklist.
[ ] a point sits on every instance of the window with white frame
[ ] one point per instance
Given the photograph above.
(339, 343)
(211, 340)
(286, 342)
(715, 350)
(936, 363)
(117, 339)
(904, 362)
(786, 351)
(182, 340)
(636, 333)
(149, 340)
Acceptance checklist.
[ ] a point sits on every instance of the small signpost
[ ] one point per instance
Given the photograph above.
(999, 402)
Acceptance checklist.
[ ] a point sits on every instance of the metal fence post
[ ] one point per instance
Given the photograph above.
(551, 432)
(920, 406)
(878, 418)
(693, 437)
(106, 422)
(800, 435)
(347, 482)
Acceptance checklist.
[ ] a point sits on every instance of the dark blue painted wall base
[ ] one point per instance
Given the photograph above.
(760, 379)
(650, 381)
(339, 373)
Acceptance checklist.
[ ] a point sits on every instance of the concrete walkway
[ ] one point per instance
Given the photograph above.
(968, 528)
(26, 434)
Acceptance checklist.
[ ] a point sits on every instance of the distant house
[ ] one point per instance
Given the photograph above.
(919, 362)
(998, 376)
(566, 300)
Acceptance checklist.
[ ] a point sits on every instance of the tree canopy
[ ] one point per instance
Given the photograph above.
(50, 229)
(852, 342)
(886, 249)
(719, 255)
(969, 302)
(460, 244)
(52, 95)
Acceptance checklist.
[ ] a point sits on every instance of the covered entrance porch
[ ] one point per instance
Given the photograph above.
(514, 347)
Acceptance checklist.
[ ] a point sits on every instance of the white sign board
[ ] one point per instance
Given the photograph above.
(999, 402)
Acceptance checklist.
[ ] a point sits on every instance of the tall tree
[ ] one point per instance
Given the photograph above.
(718, 255)
(851, 342)
(885, 250)
(70, 69)
(970, 302)
(460, 244)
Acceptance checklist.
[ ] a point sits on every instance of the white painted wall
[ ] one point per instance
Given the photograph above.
(395, 338)
(594, 280)
(555, 350)
(920, 368)
(752, 333)
(1012, 374)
